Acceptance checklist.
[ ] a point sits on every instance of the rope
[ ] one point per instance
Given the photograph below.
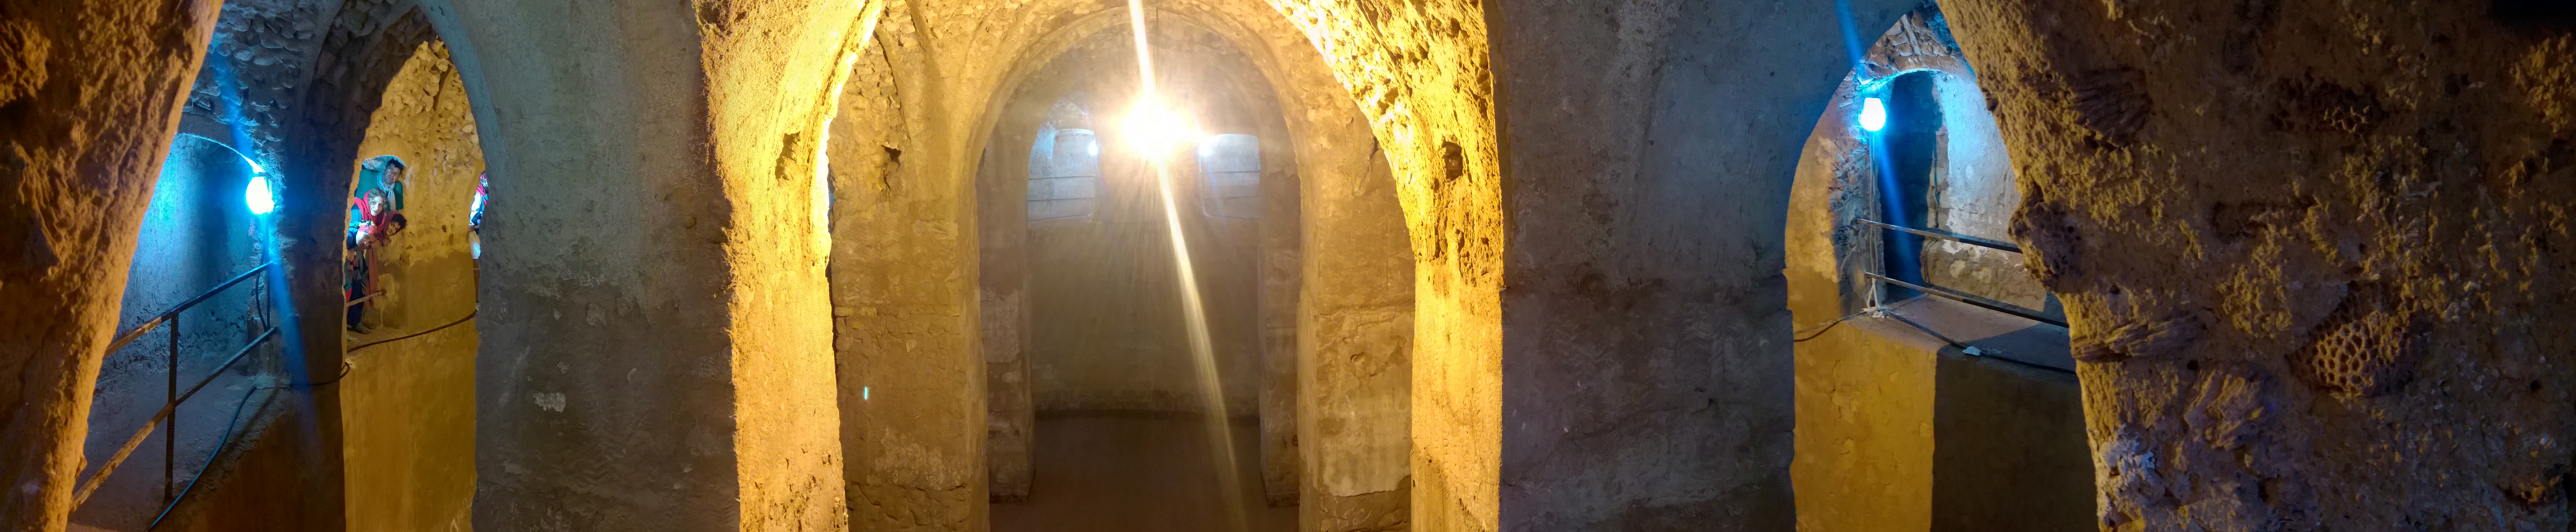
(468, 317)
(1820, 329)
(344, 362)
(227, 441)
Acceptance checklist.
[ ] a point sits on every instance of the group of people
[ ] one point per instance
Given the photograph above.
(375, 215)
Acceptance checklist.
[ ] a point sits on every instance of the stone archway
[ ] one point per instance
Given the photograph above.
(884, 178)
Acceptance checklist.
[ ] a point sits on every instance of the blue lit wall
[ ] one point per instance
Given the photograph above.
(197, 234)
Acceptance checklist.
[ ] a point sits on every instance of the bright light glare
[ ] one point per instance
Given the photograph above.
(1873, 114)
(258, 196)
(1155, 129)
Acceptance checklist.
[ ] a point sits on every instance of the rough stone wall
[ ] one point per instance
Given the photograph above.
(654, 313)
(408, 405)
(2315, 253)
(90, 96)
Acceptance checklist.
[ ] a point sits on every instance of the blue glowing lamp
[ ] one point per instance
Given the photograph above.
(1873, 114)
(258, 196)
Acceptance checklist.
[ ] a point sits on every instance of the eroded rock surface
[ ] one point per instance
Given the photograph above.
(2316, 253)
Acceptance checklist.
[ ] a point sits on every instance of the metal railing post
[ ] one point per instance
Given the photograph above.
(167, 420)
(170, 434)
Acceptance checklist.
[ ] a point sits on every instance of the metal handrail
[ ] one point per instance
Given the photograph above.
(1953, 295)
(1945, 235)
(156, 321)
(166, 410)
(170, 445)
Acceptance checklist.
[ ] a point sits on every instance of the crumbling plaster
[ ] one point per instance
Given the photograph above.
(2315, 253)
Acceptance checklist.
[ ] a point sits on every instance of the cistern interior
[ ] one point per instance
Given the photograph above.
(1287, 265)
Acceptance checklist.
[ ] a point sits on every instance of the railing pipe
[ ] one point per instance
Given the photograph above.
(1969, 299)
(147, 326)
(1945, 235)
(166, 409)
(170, 436)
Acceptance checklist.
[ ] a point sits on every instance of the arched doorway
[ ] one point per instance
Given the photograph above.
(1933, 372)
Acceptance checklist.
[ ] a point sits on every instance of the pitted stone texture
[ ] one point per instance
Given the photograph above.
(90, 98)
(2318, 249)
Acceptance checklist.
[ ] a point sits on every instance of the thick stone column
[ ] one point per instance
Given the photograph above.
(2316, 255)
(1282, 270)
(1002, 290)
(1649, 149)
(90, 94)
(655, 334)
(904, 269)
(336, 80)
(1420, 80)
(1354, 340)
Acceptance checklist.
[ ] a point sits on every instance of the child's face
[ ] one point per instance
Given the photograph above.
(375, 203)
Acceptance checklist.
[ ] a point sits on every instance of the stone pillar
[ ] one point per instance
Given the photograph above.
(1420, 80)
(1002, 281)
(2315, 255)
(904, 270)
(655, 329)
(91, 94)
(314, 140)
(1649, 149)
(1282, 270)
(1354, 340)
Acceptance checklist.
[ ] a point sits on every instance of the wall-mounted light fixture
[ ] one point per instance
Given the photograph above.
(260, 199)
(1873, 114)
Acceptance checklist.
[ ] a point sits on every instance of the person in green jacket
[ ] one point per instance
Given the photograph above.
(382, 172)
